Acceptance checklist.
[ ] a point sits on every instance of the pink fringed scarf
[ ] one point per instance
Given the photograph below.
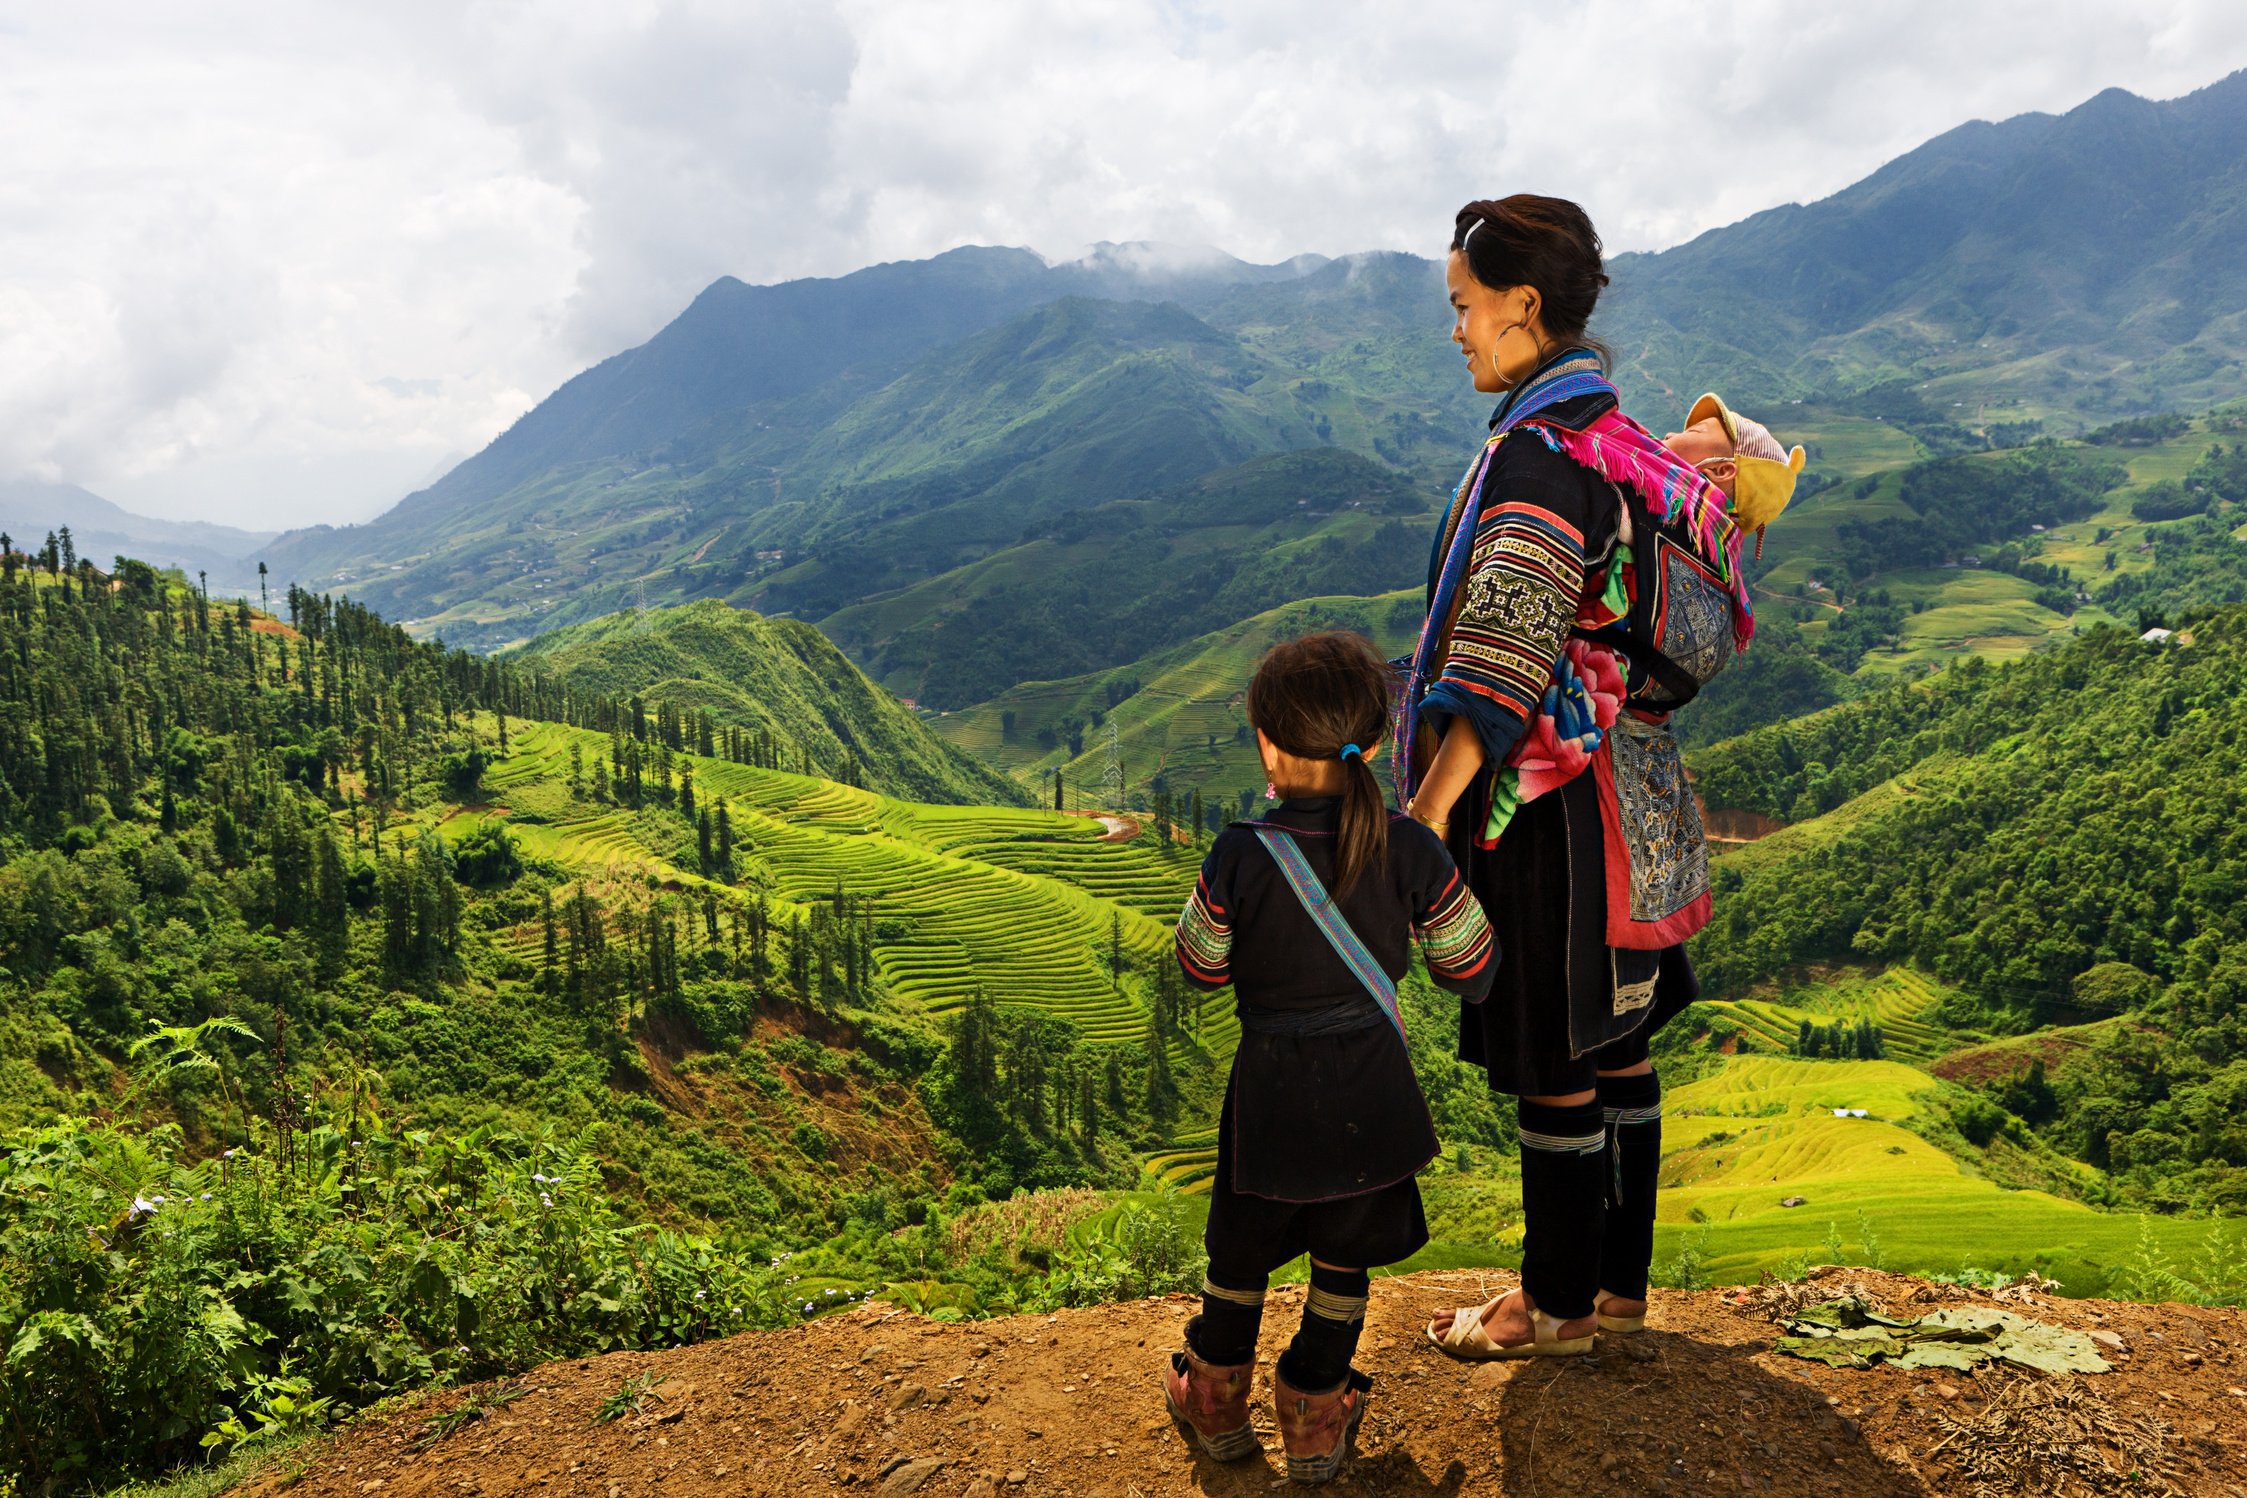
(1621, 451)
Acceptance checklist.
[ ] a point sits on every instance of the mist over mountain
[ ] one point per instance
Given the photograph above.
(812, 447)
(101, 530)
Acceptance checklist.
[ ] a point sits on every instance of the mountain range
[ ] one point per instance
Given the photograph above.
(100, 530)
(820, 447)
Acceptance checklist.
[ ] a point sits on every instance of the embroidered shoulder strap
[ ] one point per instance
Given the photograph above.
(1305, 882)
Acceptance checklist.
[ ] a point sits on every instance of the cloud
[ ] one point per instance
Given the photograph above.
(269, 262)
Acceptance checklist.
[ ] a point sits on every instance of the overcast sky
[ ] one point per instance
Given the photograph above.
(277, 263)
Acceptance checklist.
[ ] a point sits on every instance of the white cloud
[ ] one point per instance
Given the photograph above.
(268, 262)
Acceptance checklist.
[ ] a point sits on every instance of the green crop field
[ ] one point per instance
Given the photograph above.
(1017, 905)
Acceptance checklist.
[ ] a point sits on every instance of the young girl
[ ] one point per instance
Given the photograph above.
(1310, 914)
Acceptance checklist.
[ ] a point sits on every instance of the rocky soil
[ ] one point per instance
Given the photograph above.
(875, 1401)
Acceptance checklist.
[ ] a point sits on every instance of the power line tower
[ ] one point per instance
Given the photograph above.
(1111, 779)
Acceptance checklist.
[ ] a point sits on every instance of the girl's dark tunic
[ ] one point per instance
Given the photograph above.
(1324, 1126)
(1544, 885)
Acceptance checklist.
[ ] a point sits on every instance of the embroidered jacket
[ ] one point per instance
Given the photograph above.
(1245, 926)
(1543, 541)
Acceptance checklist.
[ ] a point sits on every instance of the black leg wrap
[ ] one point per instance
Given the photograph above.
(1232, 1314)
(1564, 1186)
(1333, 1316)
(1633, 1110)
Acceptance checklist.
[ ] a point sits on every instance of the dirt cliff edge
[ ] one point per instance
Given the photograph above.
(884, 1402)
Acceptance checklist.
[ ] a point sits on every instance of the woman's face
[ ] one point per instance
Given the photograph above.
(1497, 330)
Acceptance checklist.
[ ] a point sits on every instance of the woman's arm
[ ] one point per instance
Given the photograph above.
(1448, 778)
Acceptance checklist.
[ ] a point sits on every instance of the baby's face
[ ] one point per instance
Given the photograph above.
(1705, 446)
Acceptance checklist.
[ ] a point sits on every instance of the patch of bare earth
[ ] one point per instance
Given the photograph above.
(883, 1402)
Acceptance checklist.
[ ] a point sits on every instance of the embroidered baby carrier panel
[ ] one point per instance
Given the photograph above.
(1657, 851)
(1689, 625)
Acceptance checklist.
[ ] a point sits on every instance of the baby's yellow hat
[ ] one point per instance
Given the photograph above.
(1766, 471)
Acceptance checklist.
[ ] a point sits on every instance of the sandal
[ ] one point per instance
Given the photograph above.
(1609, 1323)
(1468, 1341)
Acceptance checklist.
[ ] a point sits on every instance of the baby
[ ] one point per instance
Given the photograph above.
(1740, 457)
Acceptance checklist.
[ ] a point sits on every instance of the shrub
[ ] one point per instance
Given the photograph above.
(149, 1300)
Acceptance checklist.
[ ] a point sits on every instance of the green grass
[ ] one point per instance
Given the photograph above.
(1761, 1129)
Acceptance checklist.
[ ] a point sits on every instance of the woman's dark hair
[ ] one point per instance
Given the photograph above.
(1313, 695)
(1548, 243)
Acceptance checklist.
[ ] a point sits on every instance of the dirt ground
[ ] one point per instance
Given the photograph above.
(874, 1401)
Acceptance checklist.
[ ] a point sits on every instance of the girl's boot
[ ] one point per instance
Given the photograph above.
(1212, 1401)
(1316, 1428)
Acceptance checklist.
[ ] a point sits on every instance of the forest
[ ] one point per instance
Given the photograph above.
(2063, 839)
(315, 1098)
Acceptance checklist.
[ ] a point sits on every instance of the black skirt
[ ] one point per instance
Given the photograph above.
(1253, 1235)
(1548, 1028)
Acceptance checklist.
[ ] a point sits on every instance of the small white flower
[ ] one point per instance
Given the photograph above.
(206, 1196)
(698, 1295)
(544, 1200)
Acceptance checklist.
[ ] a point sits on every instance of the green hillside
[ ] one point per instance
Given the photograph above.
(1977, 280)
(2056, 840)
(1101, 586)
(616, 1024)
(1176, 716)
(778, 678)
(378, 1016)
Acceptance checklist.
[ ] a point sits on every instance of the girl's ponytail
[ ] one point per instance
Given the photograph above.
(1361, 841)
(1326, 696)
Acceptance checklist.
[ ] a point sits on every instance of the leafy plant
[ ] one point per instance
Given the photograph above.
(632, 1397)
(476, 1408)
(280, 1406)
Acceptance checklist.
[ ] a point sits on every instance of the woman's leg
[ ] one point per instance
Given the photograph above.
(1631, 1102)
(1333, 1317)
(1564, 1185)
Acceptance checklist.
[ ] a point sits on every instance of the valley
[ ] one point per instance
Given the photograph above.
(709, 861)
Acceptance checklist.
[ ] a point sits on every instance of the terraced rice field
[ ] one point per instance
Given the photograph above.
(1761, 1130)
(1189, 1166)
(1021, 906)
(1898, 1000)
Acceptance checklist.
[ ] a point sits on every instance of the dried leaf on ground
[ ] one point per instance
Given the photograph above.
(1850, 1334)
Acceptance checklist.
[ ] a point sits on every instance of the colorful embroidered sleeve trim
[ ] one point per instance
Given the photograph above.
(1455, 937)
(1523, 584)
(1205, 938)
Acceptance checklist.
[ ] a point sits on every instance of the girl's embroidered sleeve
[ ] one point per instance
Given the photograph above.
(1519, 602)
(1454, 935)
(1205, 927)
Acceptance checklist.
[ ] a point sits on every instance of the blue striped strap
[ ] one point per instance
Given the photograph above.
(1305, 882)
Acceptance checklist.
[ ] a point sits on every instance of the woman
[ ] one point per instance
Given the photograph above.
(1532, 739)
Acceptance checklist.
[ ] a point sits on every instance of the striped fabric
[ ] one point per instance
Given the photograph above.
(1623, 1118)
(1454, 935)
(1343, 1308)
(1524, 580)
(1205, 937)
(1229, 1295)
(1564, 1144)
